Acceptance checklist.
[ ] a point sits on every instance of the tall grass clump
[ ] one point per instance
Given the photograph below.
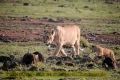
(84, 42)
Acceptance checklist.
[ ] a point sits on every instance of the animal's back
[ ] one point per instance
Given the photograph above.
(69, 34)
(109, 53)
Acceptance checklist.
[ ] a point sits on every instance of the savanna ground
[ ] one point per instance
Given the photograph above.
(22, 27)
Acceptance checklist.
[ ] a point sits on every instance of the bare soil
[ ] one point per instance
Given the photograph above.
(26, 29)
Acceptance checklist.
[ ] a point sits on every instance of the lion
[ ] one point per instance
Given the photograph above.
(108, 53)
(68, 36)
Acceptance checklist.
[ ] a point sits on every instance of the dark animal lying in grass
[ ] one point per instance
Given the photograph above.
(109, 55)
(41, 57)
(30, 58)
(109, 63)
(4, 58)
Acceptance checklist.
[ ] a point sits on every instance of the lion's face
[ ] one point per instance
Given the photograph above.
(95, 49)
(48, 37)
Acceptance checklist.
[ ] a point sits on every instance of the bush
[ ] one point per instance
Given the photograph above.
(84, 42)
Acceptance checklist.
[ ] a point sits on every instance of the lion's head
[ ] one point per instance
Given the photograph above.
(97, 50)
(48, 36)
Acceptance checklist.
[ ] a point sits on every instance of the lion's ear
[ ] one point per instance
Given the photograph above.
(52, 31)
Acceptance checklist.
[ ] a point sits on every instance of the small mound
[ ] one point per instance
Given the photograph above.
(30, 58)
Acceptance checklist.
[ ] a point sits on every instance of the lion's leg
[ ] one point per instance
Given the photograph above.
(73, 50)
(57, 50)
(63, 52)
(77, 47)
(114, 64)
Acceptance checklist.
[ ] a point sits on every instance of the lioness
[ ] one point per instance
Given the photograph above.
(108, 53)
(69, 36)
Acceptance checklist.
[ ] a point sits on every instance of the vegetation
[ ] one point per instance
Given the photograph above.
(57, 8)
(95, 15)
(19, 49)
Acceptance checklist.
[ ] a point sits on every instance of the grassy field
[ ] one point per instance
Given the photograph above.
(19, 49)
(95, 16)
(61, 8)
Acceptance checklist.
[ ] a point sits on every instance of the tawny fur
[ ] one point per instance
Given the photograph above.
(69, 36)
(104, 52)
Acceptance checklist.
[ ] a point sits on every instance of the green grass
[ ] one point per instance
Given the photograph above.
(92, 25)
(97, 14)
(51, 8)
(92, 20)
(21, 47)
(97, 17)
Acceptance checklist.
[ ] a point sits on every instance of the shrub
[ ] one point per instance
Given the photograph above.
(84, 42)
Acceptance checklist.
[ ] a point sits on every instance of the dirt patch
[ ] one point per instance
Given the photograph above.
(20, 35)
(13, 29)
(113, 38)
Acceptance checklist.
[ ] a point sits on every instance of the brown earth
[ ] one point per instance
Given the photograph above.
(26, 29)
